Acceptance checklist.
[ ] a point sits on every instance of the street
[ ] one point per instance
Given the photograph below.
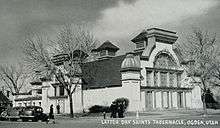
(211, 121)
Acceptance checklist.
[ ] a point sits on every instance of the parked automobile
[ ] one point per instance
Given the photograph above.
(2, 109)
(33, 113)
(12, 114)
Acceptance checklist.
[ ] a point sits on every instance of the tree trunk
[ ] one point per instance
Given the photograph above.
(204, 105)
(203, 97)
(71, 106)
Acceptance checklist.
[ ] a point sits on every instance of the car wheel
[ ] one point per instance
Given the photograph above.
(4, 114)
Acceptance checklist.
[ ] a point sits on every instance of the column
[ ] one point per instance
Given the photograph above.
(184, 99)
(168, 99)
(174, 99)
(162, 100)
(155, 99)
(171, 100)
(158, 101)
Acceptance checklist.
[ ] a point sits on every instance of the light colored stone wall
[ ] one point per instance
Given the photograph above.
(188, 99)
(158, 99)
(196, 97)
(103, 96)
(174, 94)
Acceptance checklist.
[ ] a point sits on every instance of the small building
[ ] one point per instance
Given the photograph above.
(152, 77)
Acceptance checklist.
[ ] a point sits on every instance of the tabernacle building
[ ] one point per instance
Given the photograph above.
(151, 77)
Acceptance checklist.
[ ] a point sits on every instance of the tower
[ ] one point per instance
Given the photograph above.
(130, 74)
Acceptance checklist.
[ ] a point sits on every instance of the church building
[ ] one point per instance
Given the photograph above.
(152, 77)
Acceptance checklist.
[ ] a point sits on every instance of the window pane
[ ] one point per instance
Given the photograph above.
(148, 78)
(163, 79)
(171, 79)
(140, 44)
(155, 79)
(178, 80)
(61, 91)
(111, 53)
(103, 53)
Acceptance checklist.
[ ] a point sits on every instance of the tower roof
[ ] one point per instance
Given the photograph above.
(107, 45)
(130, 62)
(140, 36)
(161, 35)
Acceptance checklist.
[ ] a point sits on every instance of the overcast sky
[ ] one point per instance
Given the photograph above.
(117, 21)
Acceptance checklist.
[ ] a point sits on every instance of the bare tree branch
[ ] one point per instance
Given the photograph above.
(71, 39)
(13, 77)
(201, 48)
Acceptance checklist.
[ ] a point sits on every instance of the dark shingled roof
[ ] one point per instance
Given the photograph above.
(107, 45)
(102, 73)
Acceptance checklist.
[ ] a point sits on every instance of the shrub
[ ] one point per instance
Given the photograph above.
(99, 108)
(122, 100)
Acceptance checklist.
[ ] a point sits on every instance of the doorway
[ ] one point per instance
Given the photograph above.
(148, 100)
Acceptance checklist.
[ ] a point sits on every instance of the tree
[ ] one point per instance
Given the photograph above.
(200, 52)
(74, 43)
(14, 77)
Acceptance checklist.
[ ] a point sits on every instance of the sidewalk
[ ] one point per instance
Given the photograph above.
(155, 114)
(174, 113)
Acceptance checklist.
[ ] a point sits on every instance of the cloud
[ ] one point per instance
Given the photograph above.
(126, 19)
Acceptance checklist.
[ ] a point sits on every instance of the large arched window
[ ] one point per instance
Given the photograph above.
(165, 61)
(165, 70)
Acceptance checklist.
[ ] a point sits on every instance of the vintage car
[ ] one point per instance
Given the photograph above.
(2, 109)
(33, 113)
(12, 114)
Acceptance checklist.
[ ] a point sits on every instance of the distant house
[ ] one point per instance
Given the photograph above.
(151, 77)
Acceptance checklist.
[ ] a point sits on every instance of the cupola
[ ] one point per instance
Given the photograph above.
(107, 50)
(131, 62)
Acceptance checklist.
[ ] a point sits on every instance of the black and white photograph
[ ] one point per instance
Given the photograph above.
(109, 63)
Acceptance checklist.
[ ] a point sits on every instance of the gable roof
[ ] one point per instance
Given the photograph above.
(142, 35)
(107, 45)
(102, 73)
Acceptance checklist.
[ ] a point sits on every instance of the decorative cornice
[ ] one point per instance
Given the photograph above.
(163, 70)
(130, 79)
(165, 88)
(130, 69)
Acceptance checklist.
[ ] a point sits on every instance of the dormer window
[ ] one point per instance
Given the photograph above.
(103, 53)
(111, 53)
(107, 50)
(140, 44)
